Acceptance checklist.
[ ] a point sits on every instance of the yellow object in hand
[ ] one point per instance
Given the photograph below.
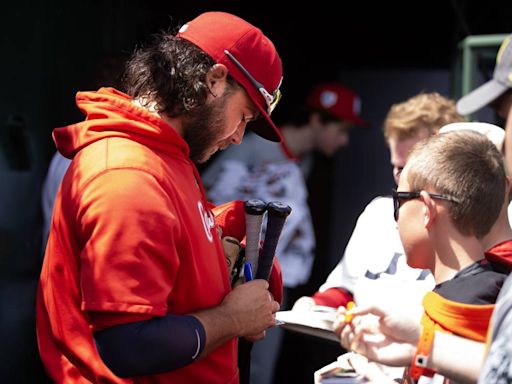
(348, 317)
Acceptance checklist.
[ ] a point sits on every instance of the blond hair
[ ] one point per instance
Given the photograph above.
(467, 166)
(424, 111)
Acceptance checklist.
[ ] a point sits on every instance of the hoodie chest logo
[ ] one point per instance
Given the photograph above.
(208, 221)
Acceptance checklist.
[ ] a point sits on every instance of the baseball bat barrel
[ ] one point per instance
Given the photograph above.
(254, 210)
(277, 213)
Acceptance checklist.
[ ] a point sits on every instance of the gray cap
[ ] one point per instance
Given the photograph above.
(501, 81)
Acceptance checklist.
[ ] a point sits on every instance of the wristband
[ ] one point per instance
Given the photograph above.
(419, 362)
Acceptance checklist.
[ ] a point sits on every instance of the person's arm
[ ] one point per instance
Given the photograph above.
(163, 344)
(247, 311)
(153, 346)
(392, 339)
(445, 357)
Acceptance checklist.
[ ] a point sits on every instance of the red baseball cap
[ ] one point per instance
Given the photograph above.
(337, 100)
(249, 55)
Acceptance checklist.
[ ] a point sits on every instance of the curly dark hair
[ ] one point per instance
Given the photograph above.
(170, 72)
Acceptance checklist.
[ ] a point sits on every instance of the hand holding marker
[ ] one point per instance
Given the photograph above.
(349, 316)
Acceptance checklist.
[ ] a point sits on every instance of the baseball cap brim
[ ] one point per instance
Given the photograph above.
(265, 127)
(480, 97)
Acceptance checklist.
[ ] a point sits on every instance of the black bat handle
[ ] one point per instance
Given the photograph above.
(277, 214)
(254, 210)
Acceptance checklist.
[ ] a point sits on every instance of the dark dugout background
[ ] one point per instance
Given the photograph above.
(387, 51)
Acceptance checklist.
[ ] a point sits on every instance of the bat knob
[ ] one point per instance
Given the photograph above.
(255, 207)
(279, 209)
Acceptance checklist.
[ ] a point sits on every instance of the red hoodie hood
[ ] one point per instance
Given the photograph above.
(110, 113)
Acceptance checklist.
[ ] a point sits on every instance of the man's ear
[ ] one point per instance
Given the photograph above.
(429, 209)
(216, 78)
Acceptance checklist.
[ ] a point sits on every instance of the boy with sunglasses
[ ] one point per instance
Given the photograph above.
(449, 196)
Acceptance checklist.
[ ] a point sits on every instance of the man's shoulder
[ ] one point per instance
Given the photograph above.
(117, 154)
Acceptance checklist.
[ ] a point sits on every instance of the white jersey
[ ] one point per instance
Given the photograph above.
(374, 267)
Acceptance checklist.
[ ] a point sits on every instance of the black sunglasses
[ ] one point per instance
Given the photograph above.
(399, 195)
(271, 99)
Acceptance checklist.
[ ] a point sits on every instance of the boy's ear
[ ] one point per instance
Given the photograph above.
(429, 209)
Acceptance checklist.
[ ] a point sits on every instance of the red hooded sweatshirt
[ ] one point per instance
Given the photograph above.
(132, 236)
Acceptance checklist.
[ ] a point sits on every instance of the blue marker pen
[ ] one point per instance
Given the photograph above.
(248, 271)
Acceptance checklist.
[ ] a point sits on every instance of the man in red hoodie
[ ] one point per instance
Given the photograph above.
(134, 286)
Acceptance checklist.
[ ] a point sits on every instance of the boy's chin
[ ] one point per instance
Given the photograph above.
(415, 262)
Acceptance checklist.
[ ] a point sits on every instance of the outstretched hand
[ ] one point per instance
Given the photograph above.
(379, 335)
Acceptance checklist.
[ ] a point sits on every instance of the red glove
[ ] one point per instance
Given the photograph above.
(230, 217)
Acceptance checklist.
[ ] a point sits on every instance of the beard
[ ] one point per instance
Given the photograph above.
(202, 128)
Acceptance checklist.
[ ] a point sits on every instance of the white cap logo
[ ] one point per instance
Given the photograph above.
(328, 99)
(183, 28)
